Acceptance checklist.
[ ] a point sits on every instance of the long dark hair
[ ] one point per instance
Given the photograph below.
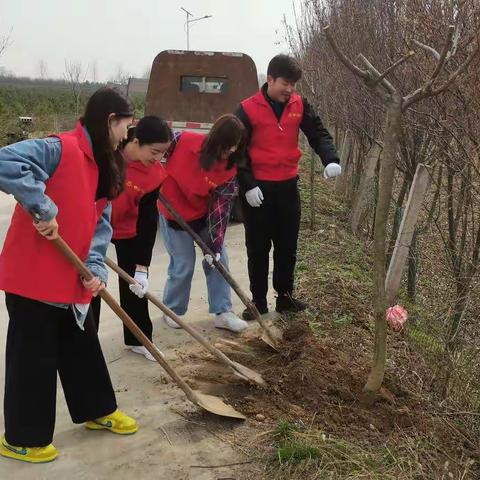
(228, 131)
(110, 162)
(148, 130)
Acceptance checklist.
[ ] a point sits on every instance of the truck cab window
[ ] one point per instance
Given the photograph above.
(199, 84)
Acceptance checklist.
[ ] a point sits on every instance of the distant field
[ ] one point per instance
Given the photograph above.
(49, 102)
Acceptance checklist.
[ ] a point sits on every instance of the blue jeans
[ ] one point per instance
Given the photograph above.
(176, 294)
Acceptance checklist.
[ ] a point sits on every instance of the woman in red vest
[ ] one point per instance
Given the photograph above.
(200, 186)
(64, 182)
(135, 221)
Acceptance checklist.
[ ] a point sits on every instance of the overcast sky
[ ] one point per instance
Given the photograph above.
(129, 33)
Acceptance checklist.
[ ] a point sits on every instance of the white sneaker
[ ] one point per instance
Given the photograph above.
(141, 350)
(229, 321)
(171, 323)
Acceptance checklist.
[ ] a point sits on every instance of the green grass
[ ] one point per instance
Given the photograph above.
(295, 452)
(425, 341)
(285, 430)
(342, 320)
(308, 453)
(335, 274)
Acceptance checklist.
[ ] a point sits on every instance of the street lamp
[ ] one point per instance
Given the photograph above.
(193, 20)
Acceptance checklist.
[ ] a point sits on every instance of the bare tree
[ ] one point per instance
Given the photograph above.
(94, 71)
(442, 133)
(121, 76)
(75, 76)
(5, 42)
(146, 73)
(42, 69)
(395, 104)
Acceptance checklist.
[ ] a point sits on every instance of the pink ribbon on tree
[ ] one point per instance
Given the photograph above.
(396, 317)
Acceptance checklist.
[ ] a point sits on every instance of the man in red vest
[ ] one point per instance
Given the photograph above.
(273, 118)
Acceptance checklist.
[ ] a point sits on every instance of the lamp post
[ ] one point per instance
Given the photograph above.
(189, 21)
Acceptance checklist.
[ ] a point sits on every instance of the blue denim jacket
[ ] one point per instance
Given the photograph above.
(24, 168)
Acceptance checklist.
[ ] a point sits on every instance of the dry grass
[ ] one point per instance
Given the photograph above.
(334, 275)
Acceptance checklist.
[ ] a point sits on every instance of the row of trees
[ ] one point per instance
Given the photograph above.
(402, 77)
(55, 103)
(90, 71)
(75, 75)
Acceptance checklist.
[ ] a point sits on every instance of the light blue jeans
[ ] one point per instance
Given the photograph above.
(176, 294)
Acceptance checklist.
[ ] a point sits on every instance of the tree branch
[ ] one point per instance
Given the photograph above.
(458, 72)
(427, 89)
(455, 40)
(5, 42)
(342, 57)
(376, 74)
(443, 56)
(394, 66)
(427, 48)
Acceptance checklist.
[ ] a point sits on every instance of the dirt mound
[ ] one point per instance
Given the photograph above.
(313, 381)
(319, 383)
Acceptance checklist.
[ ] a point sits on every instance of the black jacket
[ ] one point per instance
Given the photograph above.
(311, 125)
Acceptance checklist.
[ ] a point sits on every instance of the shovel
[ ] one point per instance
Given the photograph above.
(208, 402)
(271, 335)
(239, 369)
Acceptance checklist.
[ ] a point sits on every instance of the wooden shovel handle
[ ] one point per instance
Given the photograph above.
(206, 250)
(72, 257)
(192, 331)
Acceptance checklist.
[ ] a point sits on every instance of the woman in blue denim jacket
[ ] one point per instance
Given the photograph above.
(65, 178)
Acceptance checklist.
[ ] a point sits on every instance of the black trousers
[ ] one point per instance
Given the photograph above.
(277, 222)
(137, 308)
(41, 340)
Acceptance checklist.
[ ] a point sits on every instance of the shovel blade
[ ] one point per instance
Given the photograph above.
(273, 345)
(216, 406)
(276, 335)
(248, 374)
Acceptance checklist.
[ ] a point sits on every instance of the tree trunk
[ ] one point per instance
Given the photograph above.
(341, 181)
(77, 104)
(387, 171)
(412, 269)
(312, 189)
(457, 314)
(452, 343)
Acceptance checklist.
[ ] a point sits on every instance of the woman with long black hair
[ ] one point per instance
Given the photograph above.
(65, 183)
(135, 221)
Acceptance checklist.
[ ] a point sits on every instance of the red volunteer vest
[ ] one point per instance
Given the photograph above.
(188, 186)
(140, 181)
(273, 145)
(30, 265)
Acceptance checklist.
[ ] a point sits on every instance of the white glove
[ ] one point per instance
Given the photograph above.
(209, 259)
(332, 170)
(141, 286)
(254, 197)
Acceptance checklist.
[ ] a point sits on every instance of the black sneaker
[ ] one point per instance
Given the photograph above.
(249, 316)
(286, 303)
